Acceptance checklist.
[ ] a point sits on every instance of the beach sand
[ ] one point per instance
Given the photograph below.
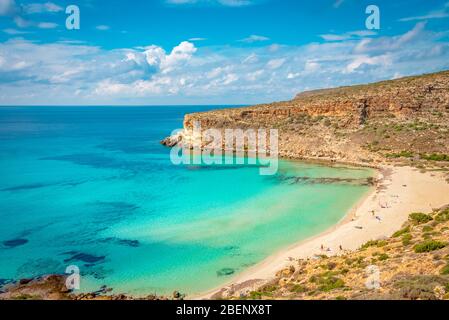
(399, 192)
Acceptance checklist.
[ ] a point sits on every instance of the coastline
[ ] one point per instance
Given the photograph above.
(398, 192)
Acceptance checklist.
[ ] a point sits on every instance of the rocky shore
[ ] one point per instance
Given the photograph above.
(53, 287)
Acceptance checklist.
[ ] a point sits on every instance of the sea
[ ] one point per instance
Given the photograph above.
(92, 187)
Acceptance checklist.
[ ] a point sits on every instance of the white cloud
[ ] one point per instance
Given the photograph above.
(436, 14)
(252, 58)
(47, 25)
(391, 43)
(362, 60)
(275, 63)
(21, 22)
(34, 8)
(12, 31)
(19, 13)
(311, 66)
(253, 76)
(348, 35)
(254, 38)
(8, 7)
(338, 3)
(102, 27)
(181, 53)
(51, 73)
(293, 75)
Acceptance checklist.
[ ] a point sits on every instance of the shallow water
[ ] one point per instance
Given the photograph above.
(92, 187)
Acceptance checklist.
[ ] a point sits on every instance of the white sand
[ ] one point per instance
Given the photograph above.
(401, 191)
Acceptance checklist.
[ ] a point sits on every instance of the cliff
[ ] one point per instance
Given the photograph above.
(381, 122)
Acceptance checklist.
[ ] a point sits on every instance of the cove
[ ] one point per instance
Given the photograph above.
(107, 198)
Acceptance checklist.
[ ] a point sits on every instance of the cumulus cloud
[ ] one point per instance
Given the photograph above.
(51, 73)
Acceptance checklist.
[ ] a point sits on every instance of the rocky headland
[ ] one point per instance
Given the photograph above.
(403, 120)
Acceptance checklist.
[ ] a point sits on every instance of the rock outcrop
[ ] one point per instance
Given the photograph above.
(360, 124)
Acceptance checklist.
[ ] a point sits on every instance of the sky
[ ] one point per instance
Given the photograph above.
(221, 52)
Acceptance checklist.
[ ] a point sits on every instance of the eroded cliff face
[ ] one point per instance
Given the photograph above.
(361, 123)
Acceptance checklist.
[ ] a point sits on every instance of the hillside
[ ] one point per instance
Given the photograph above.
(412, 264)
(400, 120)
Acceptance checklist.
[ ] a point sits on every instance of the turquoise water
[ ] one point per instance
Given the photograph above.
(92, 187)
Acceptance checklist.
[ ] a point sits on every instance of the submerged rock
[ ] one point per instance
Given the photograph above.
(225, 272)
(84, 257)
(14, 243)
(129, 243)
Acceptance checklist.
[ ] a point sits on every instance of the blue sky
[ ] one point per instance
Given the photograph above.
(210, 51)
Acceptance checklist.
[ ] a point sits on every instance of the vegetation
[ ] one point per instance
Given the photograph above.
(445, 270)
(429, 245)
(383, 257)
(402, 154)
(435, 157)
(413, 270)
(374, 243)
(401, 232)
(327, 281)
(420, 218)
(442, 216)
(406, 239)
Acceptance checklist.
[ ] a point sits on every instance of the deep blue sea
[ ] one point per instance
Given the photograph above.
(92, 187)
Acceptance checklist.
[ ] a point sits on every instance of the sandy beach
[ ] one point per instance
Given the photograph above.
(399, 192)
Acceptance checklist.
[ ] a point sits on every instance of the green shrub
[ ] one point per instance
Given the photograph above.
(420, 218)
(255, 295)
(269, 289)
(340, 298)
(427, 229)
(445, 270)
(401, 232)
(442, 216)
(406, 239)
(327, 281)
(435, 157)
(297, 288)
(383, 257)
(428, 246)
(402, 154)
(331, 283)
(420, 287)
(374, 243)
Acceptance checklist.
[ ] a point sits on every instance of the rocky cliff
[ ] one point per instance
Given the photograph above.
(399, 119)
